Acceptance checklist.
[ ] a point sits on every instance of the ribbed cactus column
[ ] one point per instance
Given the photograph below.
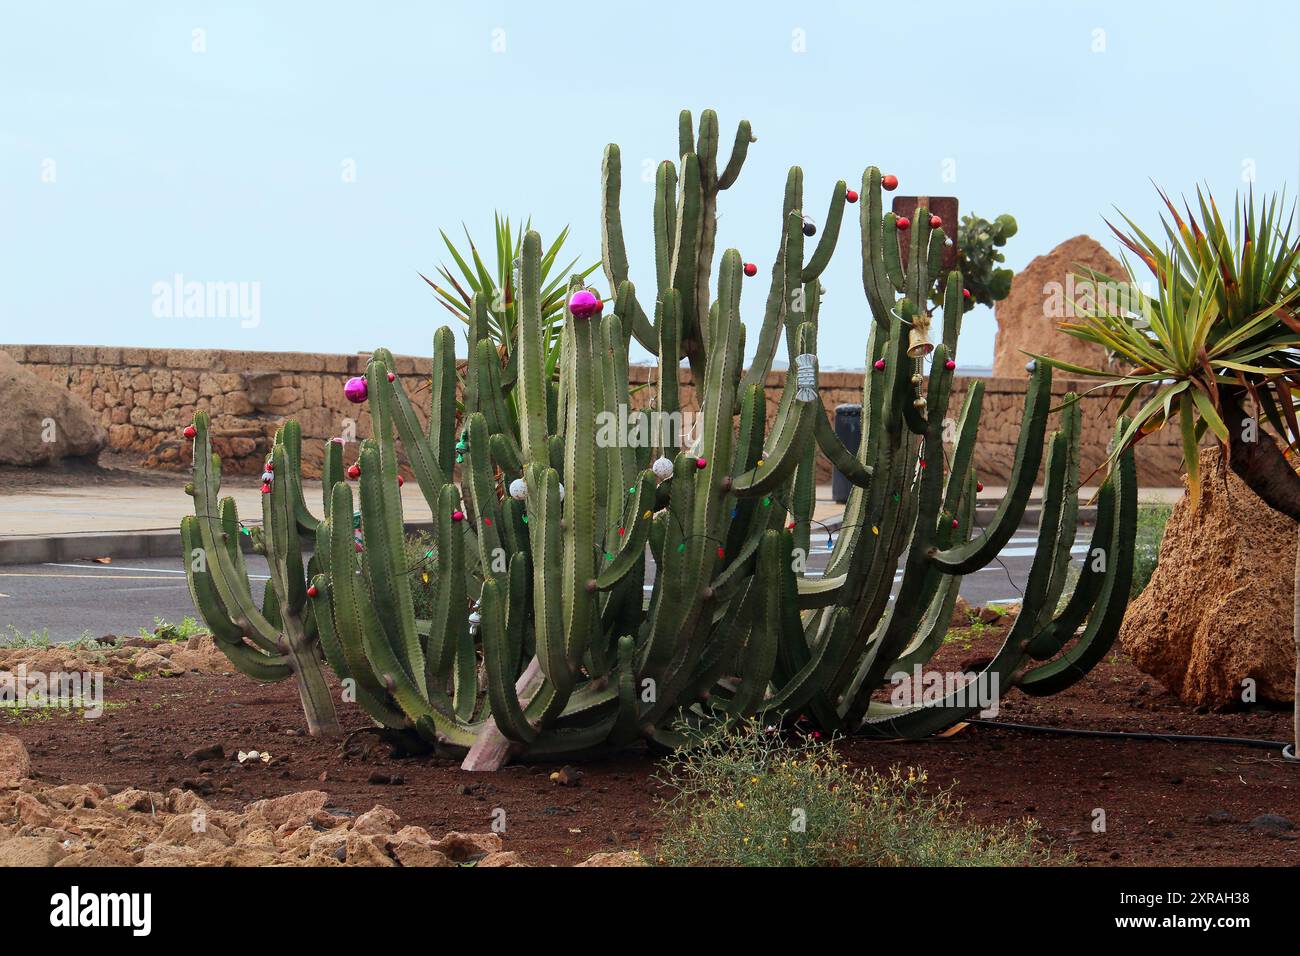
(281, 639)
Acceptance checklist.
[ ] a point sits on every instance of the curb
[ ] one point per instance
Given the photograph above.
(45, 549)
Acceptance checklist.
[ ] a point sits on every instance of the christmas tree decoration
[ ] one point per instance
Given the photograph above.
(751, 270)
(851, 195)
(584, 304)
(902, 224)
(189, 431)
(889, 182)
(518, 489)
(356, 390)
(662, 468)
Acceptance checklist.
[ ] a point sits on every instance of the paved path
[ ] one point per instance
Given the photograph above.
(118, 508)
(123, 508)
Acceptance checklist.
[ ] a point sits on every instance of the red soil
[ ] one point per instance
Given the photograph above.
(1164, 803)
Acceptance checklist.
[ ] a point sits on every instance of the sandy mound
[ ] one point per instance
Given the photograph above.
(1041, 296)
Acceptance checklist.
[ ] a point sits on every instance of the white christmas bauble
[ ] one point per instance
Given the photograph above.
(561, 492)
(663, 468)
(518, 489)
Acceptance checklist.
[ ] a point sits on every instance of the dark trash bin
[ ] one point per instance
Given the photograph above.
(848, 426)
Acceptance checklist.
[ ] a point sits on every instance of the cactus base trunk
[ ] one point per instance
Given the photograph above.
(317, 701)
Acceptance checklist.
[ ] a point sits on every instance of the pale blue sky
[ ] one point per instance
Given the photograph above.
(226, 165)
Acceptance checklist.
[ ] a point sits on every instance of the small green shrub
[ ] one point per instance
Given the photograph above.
(164, 630)
(15, 638)
(746, 796)
(1151, 520)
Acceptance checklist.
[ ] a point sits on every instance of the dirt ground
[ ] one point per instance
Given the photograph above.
(1164, 804)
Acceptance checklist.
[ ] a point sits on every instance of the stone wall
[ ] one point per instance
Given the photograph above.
(145, 397)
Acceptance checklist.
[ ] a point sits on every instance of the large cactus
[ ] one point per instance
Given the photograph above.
(587, 598)
(281, 639)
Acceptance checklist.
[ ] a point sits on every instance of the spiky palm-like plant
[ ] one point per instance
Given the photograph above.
(497, 283)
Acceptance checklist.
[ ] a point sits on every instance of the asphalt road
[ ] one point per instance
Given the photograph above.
(71, 600)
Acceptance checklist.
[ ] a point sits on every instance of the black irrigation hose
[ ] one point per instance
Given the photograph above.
(1130, 735)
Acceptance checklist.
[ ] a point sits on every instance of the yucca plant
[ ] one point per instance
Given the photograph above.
(1220, 329)
(1219, 335)
(498, 284)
